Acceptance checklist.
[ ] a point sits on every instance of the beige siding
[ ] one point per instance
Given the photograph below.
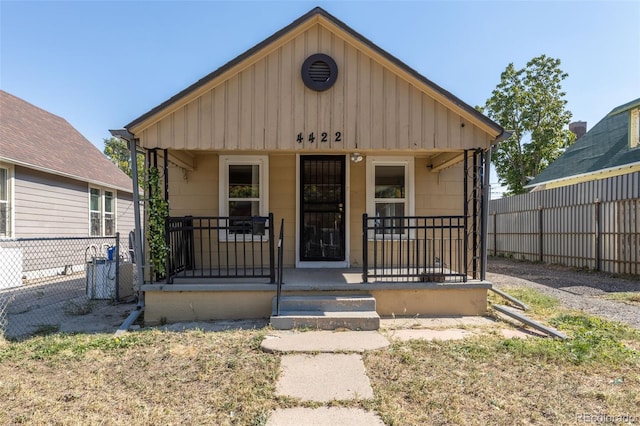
(358, 206)
(50, 206)
(265, 104)
(282, 202)
(439, 194)
(195, 193)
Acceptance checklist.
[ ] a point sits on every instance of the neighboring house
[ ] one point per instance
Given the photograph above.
(610, 148)
(369, 164)
(53, 181)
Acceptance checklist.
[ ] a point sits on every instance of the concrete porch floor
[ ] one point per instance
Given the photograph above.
(318, 279)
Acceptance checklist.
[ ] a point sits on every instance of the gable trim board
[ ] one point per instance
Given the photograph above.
(337, 28)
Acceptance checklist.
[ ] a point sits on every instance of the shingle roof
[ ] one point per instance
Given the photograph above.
(31, 136)
(605, 146)
(304, 18)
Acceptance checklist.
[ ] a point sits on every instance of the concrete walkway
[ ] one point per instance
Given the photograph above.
(326, 366)
(323, 366)
(323, 341)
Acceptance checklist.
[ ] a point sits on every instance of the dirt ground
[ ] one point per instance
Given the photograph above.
(583, 290)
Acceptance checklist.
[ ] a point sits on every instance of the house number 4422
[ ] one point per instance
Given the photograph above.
(320, 137)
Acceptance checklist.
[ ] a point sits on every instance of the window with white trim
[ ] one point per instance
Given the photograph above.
(390, 193)
(5, 202)
(244, 191)
(102, 209)
(634, 128)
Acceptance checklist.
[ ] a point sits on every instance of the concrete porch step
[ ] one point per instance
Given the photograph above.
(329, 303)
(355, 312)
(360, 320)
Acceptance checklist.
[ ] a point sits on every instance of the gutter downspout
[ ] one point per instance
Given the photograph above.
(506, 134)
(137, 240)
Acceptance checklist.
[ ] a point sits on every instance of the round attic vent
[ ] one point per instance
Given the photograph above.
(319, 72)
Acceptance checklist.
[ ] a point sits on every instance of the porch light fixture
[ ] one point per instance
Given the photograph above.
(356, 157)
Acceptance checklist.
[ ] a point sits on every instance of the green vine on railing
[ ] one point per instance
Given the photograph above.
(158, 211)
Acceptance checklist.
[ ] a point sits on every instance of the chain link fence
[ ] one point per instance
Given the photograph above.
(45, 282)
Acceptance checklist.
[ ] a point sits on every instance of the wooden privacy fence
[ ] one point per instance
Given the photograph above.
(592, 224)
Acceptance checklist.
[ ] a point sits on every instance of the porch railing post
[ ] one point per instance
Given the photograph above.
(280, 267)
(168, 251)
(466, 213)
(365, 249)
(272, 261)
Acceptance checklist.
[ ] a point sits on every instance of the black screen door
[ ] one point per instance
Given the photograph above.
(322, 212)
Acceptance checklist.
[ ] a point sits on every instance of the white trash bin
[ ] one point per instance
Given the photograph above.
(101, 278)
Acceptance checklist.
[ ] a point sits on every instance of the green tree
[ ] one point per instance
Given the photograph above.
(118, 152)
(530, 102)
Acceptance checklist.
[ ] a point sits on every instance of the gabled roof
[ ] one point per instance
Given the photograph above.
(605, 146)
(34, 138)
(314, 15)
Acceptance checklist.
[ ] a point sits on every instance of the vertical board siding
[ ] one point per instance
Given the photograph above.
(265, 105)
(593, 225)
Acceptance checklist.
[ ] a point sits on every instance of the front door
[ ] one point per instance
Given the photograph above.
(322, 208)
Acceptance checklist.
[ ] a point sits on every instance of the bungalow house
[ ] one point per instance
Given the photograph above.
(318, 151)
(53, 183)
(611, 148)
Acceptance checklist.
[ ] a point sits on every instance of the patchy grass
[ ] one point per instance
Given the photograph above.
(630, 297)
(490, 380)
(140, 378)
(223, 378)
(540, 304)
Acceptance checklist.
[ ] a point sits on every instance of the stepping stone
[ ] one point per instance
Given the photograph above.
(324, 416)
(323, 341)
(323, 377)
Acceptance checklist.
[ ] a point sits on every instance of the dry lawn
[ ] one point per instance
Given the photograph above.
(142, 378)
(223, 378)
(480, 382)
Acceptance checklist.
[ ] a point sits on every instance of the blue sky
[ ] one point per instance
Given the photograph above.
(101, 64)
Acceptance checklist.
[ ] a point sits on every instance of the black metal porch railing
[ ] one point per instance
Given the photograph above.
(280, 267)
(414, 248)
(220, 247)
